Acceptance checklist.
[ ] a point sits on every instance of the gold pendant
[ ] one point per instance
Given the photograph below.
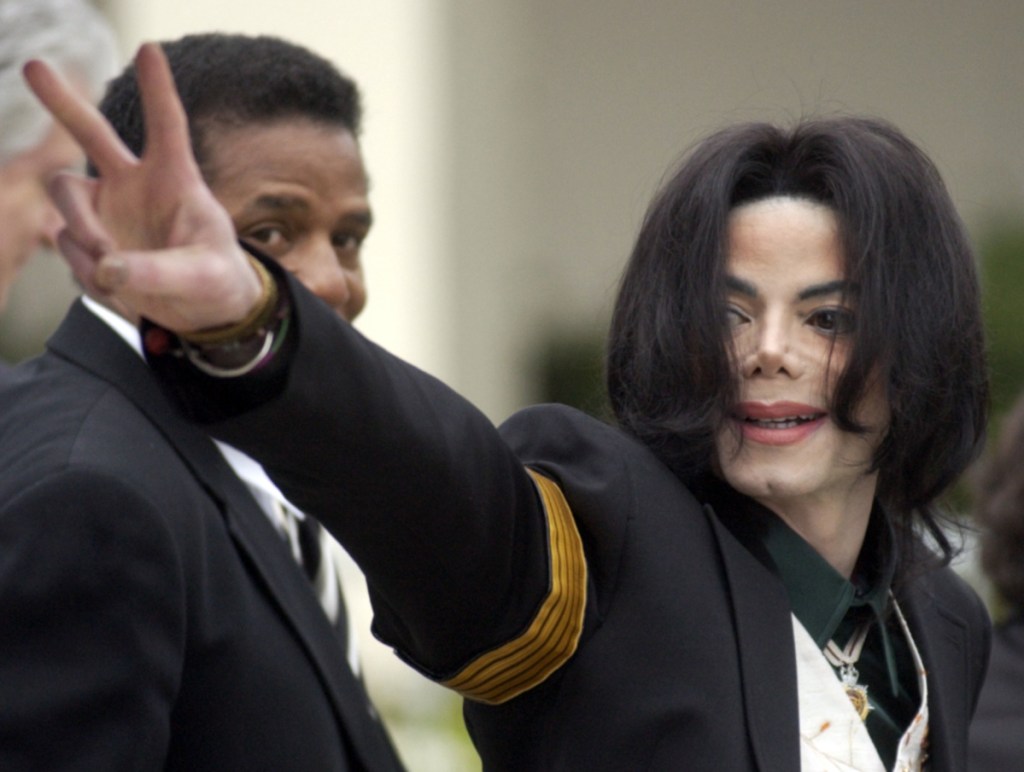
(844, 659)
(858, 693)
(859, 697)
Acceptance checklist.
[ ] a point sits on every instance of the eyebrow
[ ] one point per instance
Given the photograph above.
(282, 203)
(742, 287)
(837, 287)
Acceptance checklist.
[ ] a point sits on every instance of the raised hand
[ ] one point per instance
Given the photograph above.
(148, 233)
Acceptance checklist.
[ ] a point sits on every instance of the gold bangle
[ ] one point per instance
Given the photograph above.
(257, 318)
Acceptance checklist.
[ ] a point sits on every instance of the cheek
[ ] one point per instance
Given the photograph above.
(740, 342)
(22, 231)
(733, 464)
(357, 295)
(832, 356)
(728, 448)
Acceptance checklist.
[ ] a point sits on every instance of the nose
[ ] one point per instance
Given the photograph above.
(50, 224)
(340, 286)
(772, 353)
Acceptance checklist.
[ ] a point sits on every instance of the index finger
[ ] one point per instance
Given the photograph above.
(167, 135)
(82, 120)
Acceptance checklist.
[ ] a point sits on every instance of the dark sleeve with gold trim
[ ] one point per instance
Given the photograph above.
(475, 566)
(554, 631)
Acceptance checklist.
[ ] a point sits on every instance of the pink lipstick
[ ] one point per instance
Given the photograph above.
(778, 423)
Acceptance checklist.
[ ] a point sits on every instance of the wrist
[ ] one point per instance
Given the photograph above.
(234, 358)
(253, 324)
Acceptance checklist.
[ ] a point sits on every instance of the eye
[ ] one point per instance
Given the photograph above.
(734, 317)
(347, 246)
(833, 321)
(347, 241)
(271, 238)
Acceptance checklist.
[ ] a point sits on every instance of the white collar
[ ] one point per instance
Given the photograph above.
(246, 467)
(125, 329)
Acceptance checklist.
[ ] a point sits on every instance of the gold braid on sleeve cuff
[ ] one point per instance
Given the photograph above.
(552, 635)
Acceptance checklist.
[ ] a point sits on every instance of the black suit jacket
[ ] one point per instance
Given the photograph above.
(710, 652)
(152, 618)
(686, 656)
(997, 734)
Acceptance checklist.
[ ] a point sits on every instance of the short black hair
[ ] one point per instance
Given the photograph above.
(919, 327)
(238, 80)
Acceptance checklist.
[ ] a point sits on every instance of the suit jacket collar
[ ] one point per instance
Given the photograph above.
(88, 343)
(761, 614)
(941, 636)
(764, 635)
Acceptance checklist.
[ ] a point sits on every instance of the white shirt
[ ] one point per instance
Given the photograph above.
(833, 737)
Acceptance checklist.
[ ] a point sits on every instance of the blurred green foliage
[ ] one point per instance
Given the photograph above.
(570, 369)
(1001, 251)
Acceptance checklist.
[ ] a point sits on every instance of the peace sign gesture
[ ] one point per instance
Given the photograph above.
(148, 234)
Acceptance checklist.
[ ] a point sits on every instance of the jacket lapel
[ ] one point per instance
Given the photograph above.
(764, 636)
(941, 637)
(90, 344)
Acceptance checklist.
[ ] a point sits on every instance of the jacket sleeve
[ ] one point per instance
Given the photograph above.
(88, 672)
(474, 565)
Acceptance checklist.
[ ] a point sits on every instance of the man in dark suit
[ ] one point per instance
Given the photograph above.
(73, 36)
(657, 595)
(153, 584)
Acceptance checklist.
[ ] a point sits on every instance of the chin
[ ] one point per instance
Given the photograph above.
(766, 485)
(765, 474)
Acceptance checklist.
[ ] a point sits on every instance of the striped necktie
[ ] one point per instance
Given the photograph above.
(313, 549)
(308, 542)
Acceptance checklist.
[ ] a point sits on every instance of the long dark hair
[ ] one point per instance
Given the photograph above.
(919, 326)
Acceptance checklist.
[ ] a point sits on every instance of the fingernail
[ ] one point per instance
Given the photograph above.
(111, 273)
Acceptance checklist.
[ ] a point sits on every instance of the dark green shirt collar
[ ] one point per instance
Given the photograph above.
(820, 596)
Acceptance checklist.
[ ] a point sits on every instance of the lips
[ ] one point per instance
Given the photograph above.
(778, 423)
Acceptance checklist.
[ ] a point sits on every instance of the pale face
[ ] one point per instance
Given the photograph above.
(28, 221)
(790, 325)
(297, 191)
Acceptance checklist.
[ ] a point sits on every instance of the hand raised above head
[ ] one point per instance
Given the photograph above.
(148, 233)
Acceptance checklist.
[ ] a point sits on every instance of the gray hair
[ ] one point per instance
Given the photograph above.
(72, 36)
